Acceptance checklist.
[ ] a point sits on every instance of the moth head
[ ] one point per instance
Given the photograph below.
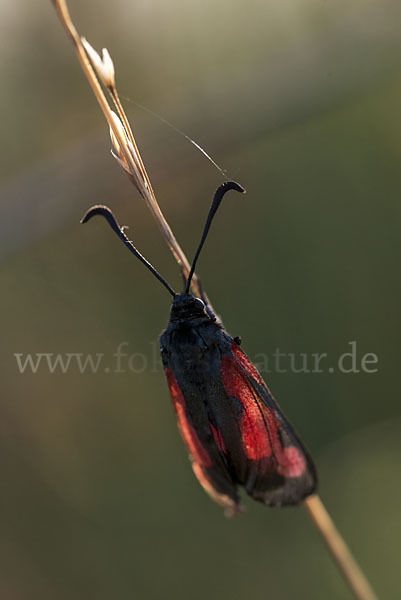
(186, 306)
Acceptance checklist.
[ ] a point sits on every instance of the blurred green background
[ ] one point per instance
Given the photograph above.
(300, 102)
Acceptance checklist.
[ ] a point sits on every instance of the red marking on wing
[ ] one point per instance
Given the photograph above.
(291, 462)
(218, 438)
(245, 364)
(253, 429)
(187, 431)
(259, 425)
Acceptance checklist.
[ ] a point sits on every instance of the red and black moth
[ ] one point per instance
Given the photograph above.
(235, 432)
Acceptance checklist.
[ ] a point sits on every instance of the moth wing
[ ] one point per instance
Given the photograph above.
(277, 470)
(207, 460)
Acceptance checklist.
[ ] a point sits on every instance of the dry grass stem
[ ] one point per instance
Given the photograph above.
(125, 148)
(347, 564)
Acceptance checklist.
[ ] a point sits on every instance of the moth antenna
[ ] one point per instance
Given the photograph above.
(218, 197)
(104, 211)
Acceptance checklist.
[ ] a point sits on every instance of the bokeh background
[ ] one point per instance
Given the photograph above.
(300, 101)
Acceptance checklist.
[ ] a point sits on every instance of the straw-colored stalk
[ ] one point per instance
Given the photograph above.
(125, 151)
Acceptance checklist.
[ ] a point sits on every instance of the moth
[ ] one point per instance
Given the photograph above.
(234, 430)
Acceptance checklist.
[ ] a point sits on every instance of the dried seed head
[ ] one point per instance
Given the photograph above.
(120, 153)
(104, 66)
(126, 155)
